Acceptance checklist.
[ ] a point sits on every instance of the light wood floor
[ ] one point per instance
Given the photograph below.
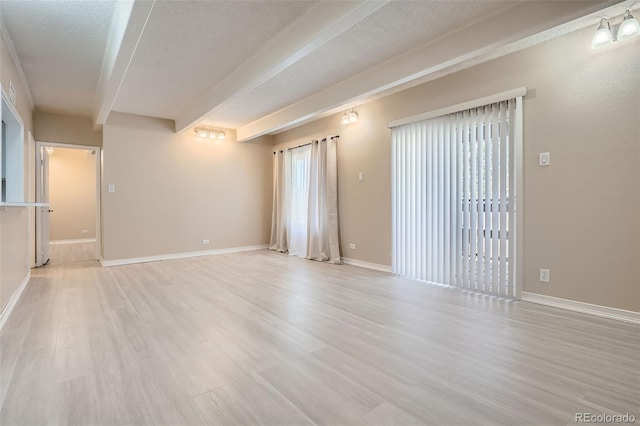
(263, 338)
(73, 252)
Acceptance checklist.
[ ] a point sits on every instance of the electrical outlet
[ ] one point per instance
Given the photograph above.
(205, 242)
(352, 246)
(545, 275)
(85, 231)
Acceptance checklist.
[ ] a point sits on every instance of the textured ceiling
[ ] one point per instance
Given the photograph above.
(188, 46)
(282, 52)
(392, 30)
(60, 45)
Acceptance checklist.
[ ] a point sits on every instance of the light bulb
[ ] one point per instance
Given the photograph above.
(602, 36)
(221, 135)
(353, 116)
(629, 27)
(212, 134)
(345, 118)
(202, 133)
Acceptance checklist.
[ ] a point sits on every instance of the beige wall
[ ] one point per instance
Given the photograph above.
(581, 213)
(60, 128)
(72, 194)
(174, 190)
(364, 207)
(16, 223)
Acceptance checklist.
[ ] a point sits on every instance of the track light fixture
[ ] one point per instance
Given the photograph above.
(350, 116)
(204, 132)
(604, 36)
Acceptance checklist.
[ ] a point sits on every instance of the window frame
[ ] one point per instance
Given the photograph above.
(11, 153)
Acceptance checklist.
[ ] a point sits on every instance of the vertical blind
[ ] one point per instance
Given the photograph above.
(452, 199)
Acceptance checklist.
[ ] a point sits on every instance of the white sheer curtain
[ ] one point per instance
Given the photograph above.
(305, 202)
(298, 162)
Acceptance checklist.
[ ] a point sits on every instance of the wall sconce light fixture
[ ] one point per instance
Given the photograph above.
(629, 26)
(603, 36)
(350, 116)
(204, 132)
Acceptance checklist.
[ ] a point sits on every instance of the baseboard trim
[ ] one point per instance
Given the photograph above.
(13, 300)
(132, 260)
(368, 265)
(582, 307)
(79, 240)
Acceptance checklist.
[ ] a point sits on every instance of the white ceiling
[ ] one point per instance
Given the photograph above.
(60, 45)
(394, 29)
(187, 46)
(257, 66)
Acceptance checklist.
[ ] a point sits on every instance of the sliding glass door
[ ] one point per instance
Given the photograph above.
(453, 199)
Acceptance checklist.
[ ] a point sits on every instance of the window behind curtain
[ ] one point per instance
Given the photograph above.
(299, 163)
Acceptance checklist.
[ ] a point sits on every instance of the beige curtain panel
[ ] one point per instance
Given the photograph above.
(305, 202)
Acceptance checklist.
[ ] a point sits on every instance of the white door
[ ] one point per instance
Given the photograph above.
(42, 213)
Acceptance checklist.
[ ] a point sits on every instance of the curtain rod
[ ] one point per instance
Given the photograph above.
(307, 144)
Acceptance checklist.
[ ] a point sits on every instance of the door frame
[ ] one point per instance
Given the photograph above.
(98, 155)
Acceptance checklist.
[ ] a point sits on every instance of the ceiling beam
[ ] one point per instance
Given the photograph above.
(439, 57)
(129, 20)
(320, 24)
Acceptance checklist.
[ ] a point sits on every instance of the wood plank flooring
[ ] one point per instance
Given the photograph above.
(263, 338)
(72, 252)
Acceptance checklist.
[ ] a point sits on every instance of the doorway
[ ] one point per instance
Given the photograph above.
(68, 180)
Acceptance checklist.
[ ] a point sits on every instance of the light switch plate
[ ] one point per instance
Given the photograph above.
(545, 158)
(111, 188)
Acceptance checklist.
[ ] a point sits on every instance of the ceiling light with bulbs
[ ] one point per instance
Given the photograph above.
(350, 116)
(205, 132)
